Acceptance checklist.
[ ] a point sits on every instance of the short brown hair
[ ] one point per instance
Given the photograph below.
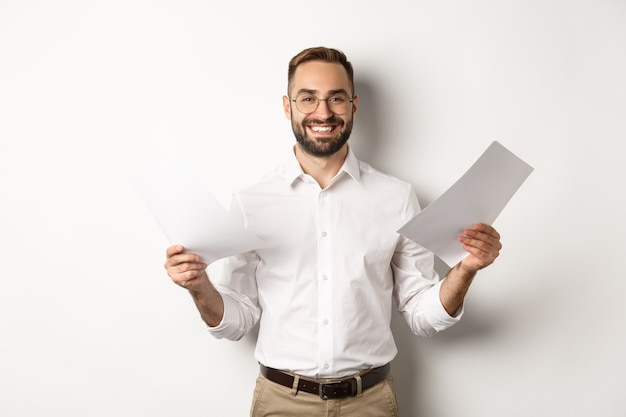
(320, 53)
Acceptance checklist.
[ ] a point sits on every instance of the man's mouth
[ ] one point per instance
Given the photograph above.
(322, 129)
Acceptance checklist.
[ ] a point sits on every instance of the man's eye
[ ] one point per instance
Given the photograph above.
(307, 99)
(338, 99)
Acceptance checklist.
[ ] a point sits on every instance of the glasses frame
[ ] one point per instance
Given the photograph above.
(295, 100)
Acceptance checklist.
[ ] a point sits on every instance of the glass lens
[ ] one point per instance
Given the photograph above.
(306, 103)
(339, 103)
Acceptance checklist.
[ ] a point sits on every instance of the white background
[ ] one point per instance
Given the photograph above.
(90, 324)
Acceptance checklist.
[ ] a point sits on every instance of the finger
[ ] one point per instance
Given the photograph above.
(189, 278)
(173, 250)
(474, 246)
(478, 258)
(489, 234)
(487, 245)
(183, 258)
(187, 266)
(188, 275)
(487, 229)
(481, 249)
(488, 251)
(480, 240)
(185, 270)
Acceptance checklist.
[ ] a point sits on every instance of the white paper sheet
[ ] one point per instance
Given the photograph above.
(477, 197)
(189, 214)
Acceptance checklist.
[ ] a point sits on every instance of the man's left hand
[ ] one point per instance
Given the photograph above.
(483, 244)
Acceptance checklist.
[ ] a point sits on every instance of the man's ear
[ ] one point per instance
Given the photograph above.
(355, 104)
(287, 107)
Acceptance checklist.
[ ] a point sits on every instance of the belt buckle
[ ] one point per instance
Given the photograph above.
(350, 391)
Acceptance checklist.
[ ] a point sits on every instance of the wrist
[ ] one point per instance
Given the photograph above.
(467, 269)
(464, 272)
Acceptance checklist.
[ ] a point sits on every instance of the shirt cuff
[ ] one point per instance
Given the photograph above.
(230, 319)
(438, 317)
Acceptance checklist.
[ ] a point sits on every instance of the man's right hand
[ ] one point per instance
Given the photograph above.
(186, 269)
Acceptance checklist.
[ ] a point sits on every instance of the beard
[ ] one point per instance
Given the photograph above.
(326, 146)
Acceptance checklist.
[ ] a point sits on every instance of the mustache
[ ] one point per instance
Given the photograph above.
(331, 120)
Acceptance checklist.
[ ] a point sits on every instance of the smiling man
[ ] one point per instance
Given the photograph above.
(323, 287)
(321, 126)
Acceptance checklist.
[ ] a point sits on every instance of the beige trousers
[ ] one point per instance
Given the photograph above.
(274, 400)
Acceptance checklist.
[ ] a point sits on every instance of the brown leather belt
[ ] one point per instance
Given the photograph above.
(341, 388)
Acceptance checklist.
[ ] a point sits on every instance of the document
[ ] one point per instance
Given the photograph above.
(189, 214)
(477, 197)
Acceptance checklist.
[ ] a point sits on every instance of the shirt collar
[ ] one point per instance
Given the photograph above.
(351, 166)
(293, 170)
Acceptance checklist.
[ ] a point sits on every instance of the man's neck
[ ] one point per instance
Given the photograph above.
(322, 168)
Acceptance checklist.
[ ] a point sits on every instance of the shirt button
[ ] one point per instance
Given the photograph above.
(325, 322)
(326, 366)
(324, 234)
(325, 277)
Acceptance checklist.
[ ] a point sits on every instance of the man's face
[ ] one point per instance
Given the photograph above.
(322, 132)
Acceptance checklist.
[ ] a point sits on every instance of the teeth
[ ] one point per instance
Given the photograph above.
(321, 128)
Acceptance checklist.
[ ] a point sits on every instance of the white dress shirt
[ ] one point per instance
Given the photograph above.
(324, 286)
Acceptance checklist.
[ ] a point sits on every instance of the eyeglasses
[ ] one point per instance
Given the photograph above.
(308, 103)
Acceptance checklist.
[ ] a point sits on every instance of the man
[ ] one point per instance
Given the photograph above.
(324, 286)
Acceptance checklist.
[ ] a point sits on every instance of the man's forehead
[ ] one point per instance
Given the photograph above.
(318, 76)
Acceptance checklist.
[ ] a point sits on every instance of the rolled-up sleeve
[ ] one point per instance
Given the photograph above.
(238, 288)
(417, 284)
(240, 315)
(239, 292)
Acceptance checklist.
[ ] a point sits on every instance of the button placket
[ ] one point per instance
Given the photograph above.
(325, 299)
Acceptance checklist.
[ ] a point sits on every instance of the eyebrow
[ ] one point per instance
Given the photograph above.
(330, 93)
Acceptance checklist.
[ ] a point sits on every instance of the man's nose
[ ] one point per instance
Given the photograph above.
(323, 108)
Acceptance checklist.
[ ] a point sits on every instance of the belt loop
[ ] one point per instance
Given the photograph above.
(359, 385)
(294, 387)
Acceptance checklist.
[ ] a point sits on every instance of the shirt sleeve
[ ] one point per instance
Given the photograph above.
(417, 284)
(241, 311)
(239, 291)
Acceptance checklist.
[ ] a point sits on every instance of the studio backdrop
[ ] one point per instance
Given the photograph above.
(91, 325)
